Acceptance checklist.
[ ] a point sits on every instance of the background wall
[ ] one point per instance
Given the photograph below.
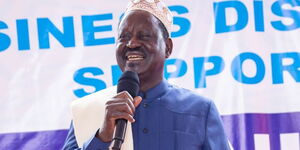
(245, 55)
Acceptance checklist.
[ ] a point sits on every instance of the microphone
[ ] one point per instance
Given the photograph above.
(129, 82)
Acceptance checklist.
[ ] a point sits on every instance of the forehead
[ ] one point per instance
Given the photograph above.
(138, 18)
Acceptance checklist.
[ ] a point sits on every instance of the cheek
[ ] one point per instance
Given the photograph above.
(162, 47)
(119, 50)
(119, 56)
(158, 46)
(153, 48)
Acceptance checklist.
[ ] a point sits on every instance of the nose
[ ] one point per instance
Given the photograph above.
(133, 43)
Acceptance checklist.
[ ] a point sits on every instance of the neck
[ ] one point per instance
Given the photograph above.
(146, 84)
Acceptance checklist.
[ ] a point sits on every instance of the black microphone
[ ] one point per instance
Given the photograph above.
(129, 82)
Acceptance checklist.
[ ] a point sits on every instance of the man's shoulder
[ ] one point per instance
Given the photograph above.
(185, 100)
(184, 94)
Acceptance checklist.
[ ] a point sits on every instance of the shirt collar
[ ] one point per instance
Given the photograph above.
(155, 92)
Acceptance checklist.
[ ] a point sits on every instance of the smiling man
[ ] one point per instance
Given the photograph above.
(163, 116)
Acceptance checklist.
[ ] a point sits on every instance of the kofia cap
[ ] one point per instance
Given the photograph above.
(156, 8)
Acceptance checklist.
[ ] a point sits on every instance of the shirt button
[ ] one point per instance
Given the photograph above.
(145, 130)
(145, 105)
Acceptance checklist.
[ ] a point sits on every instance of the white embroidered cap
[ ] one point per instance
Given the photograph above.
(156, 8)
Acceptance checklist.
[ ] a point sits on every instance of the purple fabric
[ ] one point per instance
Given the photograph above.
(240, 128)
(43, 140)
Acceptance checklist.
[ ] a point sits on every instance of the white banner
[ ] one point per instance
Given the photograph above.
(245, 55)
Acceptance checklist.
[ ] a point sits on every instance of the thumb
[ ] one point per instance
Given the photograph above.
(137, 100)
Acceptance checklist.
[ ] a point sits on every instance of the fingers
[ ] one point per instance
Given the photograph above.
(118, 111)
(122, 115)
(122, 106)
(123, 101)
(123, 94)
(137, 100)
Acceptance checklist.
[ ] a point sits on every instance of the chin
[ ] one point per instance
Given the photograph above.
(138, 67)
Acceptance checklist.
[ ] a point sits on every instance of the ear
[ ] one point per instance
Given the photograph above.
(169, 47)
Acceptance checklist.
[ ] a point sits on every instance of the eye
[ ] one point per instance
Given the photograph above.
(145, 36)
(124, 36)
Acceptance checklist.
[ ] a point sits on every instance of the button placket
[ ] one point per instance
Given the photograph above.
(145, 130)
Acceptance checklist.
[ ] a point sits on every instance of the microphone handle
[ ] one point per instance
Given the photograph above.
(121, 126)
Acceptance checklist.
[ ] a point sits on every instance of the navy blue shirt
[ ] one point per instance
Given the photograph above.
(169, 118)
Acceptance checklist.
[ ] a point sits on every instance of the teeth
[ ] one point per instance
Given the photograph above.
(135, 57)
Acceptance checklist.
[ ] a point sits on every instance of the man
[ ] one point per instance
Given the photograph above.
(163, 116)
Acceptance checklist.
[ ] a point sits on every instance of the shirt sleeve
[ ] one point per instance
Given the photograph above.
(92, 144)
(215, 137)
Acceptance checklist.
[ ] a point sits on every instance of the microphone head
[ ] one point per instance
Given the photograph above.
(129, 81)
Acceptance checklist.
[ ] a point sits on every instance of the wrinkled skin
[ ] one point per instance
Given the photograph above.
(140, 34)
(140, 48)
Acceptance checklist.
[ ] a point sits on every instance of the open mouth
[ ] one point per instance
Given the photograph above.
(134, 57)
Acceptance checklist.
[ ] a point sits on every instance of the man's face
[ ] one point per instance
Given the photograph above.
(141, 46)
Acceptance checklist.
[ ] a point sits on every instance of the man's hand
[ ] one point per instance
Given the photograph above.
(122, 106)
